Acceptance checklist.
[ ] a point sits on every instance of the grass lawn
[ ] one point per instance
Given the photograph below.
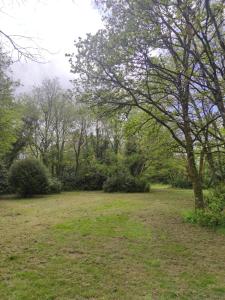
(91, 245)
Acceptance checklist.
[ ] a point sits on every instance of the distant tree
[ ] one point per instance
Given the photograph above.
(50, 112)
(64, 115)
(8, 117)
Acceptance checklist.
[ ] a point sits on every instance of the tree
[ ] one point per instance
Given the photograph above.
(41, 104)
(51, 112)
(144, 58)
(63, 119)
(79, 135)
(152, 150)
(8, 117)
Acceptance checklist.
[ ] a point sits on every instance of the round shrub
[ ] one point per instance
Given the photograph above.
(29, 177)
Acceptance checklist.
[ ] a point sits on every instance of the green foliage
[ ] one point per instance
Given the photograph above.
(134, 157)
(4, 185)
(29, 177)
(180, 180)
(55, 186)
(150, 150)
(92, 181)
(88, 179)
(213, 214)
(215, 200)
(7, 128)
(124, 182)
(204, 218)
(8, 109)
(68, 179)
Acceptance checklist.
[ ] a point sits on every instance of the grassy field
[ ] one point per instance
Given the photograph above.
(91, 245)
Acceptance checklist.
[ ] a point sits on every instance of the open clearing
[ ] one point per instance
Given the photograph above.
(91, 245)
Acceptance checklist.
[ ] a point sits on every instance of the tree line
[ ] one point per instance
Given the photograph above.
(82, 146)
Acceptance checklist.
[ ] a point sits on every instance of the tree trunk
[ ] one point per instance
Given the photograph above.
(195, 178)
(211, 165)
(201, 164)
(220, 105)
(192, 168)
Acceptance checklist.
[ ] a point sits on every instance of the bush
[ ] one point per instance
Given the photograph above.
(125, 183)
(90, 182)
(29, 177)
(68, 179)
(180, 181)
(213, 214)
(55, 186)
(4, 184)
(88, 179)
(215, 200)
(205, 217)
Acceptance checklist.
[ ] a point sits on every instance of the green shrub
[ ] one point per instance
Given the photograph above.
(88, 179)
(55, 186)
(29, 177)
(205, 218)
(142, 184)
(68, 179)
(213, 214)
(4, 184)
(125, 183)
(116, 184)
(215, 200)
(89, 182)
(180, 181)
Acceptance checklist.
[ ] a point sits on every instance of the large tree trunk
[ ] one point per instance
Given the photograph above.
(194, 174)
(196, 181)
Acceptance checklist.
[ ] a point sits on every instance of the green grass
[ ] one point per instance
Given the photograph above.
(91, 245)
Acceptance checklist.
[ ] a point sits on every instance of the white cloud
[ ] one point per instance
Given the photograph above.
(54, 25)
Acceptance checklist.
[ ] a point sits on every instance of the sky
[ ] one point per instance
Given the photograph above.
(53, 26)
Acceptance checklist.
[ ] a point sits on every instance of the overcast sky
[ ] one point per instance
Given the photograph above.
(54, 25)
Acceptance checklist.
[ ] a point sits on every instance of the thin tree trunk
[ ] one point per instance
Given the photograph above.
(201, 164)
